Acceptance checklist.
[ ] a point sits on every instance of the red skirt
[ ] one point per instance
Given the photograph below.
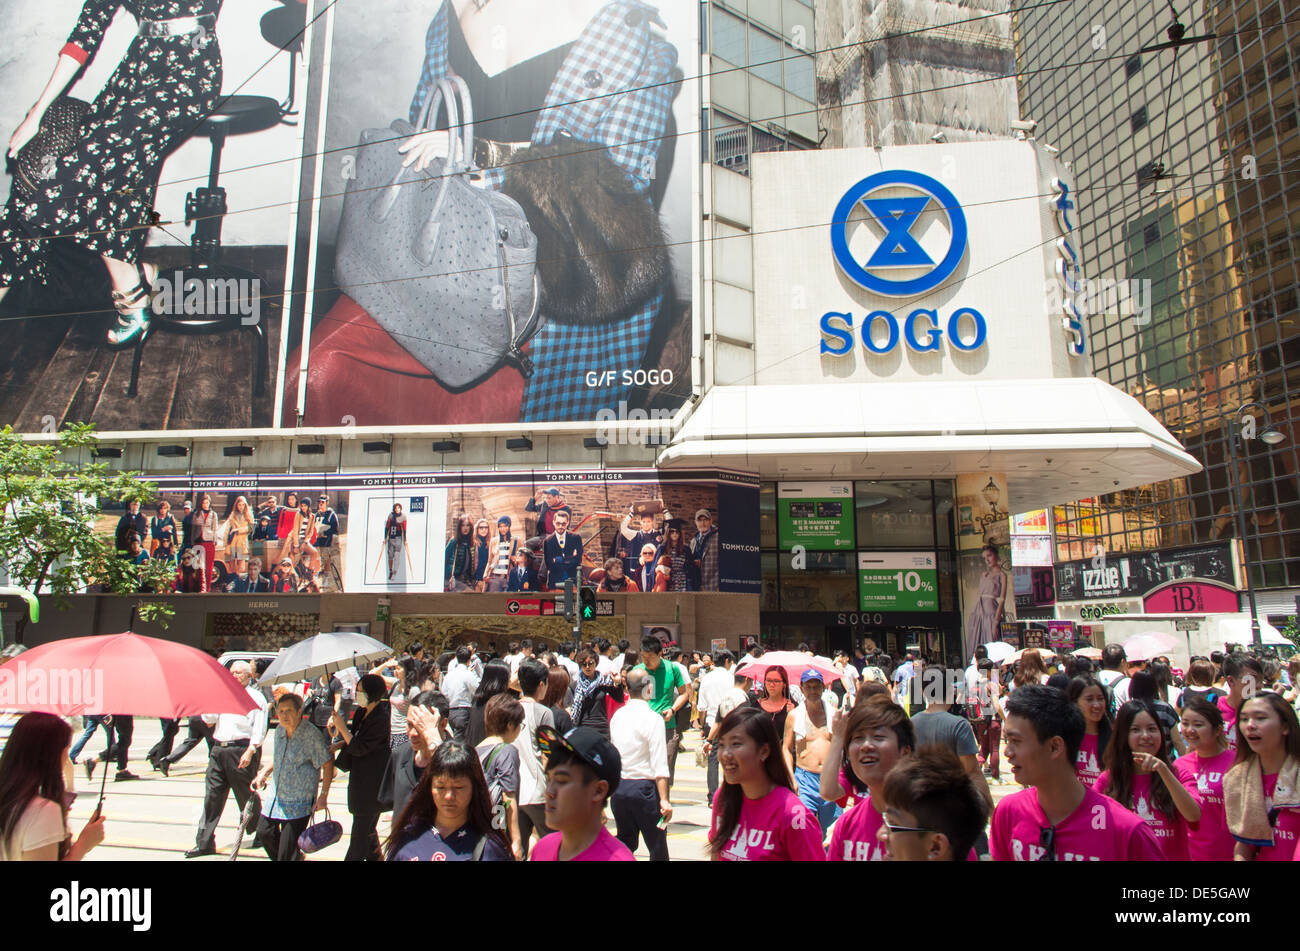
(357, 370)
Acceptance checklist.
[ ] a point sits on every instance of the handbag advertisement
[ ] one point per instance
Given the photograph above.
(504, 219)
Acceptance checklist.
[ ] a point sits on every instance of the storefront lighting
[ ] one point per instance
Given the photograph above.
(594, 442)
(107, 452)
(173, 451)
(446, 445)
(520, 444)
(376, 447)
(237, 450)
(991, 493)
(311, 449)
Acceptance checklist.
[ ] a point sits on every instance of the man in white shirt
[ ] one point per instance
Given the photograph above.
(562, 653)
(475, 662)
(458, 687)
(640, 803)
(533, 677)
(232, 764)
(609, 660)
(714, 686)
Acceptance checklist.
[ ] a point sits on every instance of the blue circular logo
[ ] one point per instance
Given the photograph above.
(898, 249)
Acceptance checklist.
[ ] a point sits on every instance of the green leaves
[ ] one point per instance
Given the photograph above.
(53, 538)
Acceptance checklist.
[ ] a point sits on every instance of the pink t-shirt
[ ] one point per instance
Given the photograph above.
(1229, 720)
(1285, 833)
(775, 828)
(606, 848)
(1209, 839)
(1100, 830)
(1088, 764)
(1170, 831)
(855, 838)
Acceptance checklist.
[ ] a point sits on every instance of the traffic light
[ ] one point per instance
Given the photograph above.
(587, 602)
(570, 608)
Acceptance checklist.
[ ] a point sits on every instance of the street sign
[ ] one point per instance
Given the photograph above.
(604, 606)
(524, 606)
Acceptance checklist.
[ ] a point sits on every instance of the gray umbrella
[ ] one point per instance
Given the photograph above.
(321, 655)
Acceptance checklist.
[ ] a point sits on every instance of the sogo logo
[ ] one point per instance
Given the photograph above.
(900, 249)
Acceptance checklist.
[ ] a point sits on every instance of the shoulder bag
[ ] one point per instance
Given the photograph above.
(449, 269)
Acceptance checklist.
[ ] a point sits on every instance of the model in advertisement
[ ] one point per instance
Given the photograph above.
(327, 533)
(562, 551)
(395, 542)
(573, 121)
(100, 191)
(984, 623)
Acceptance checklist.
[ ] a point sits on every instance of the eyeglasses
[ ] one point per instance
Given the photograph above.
(1047, 839)
(893, 828)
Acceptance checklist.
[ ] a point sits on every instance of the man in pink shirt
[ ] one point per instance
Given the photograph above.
(1244, 676)
(582, 771)
(1058, 819)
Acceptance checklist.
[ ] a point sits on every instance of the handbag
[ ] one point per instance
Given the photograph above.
(56, 135)
(447, 268)
(319, 835)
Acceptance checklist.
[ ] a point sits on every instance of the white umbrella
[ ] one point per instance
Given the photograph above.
(321, 655)
(1090, 653)
(1010, 659)
(1148, 645)
(998, 650)
(1236, 630)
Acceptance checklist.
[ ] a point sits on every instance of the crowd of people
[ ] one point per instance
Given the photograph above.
(642, 556)
(290, 548)
(569, 754)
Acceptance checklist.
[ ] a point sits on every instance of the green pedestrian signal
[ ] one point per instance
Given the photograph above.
(587, 602)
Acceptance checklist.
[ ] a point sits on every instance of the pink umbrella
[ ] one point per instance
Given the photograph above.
(794, 662)
(120, 673)
(1149, 644)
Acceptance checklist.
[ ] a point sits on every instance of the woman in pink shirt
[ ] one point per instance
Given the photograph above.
(877, 734)
(1207, 761)
(1137, 755)
(1087, 693)
(756, 815)
(1268, 751)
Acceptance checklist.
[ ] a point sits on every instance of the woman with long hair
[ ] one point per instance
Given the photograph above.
(162, 533)
(1203, 768)
(678, 554)
(1261, 793)
(1138, 753)
(495, 680)
(756, 815)
(449, 816)
(192, 577)
(557, 689)
(239, 529)
(284, 523)
(205, 536)
(775, 701)
(504, 546)
(984, 623)
(875, 736)
(458, 559)
(99, 194)
(484, 550)
(1030, 669)
(1087, 693)
(35, 788)
(302, 533)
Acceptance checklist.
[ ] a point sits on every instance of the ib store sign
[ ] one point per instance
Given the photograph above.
(901, 206)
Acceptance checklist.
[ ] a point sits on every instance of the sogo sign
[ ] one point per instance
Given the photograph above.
(922, 329)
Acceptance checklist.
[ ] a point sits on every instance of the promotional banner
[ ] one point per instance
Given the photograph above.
(516, 531)
(1132, 575)
(988, 597)
(186, 332)
(1031, 551)
(898, 581)
(1060, 635)
(506, 215)
(1034, 587)
(982, 517)
(1037, 522)
(816, 515)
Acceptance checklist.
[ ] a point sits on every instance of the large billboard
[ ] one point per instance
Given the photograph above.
(134, 173)
(521, 531)
(504, 221)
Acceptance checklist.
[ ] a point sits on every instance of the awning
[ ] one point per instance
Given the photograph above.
(1056, 440)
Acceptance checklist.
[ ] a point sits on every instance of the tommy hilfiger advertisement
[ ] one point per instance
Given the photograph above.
(505, 212)
(619, 530)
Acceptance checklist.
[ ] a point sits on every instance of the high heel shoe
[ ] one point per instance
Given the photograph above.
(134, 311)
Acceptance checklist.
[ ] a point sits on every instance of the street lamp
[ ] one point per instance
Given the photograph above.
(1270, 435)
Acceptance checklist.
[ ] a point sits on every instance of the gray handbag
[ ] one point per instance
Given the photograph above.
(446, 267)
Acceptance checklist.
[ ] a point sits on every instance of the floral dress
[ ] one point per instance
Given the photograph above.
(101, 193)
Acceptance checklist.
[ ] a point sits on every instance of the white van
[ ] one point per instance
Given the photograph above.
(1196, 634)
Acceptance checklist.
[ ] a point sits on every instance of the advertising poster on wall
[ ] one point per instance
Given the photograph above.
(1036, 522)
(114, 309)
(898, 581)
(988, 595)
(816, 515)
(1060, 635)
(982, 516)
(506, 214)
(517, 531)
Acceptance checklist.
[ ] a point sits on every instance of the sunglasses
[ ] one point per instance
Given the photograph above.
(893, 828)
(1047, 839)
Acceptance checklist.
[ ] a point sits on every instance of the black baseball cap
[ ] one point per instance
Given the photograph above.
(590, 747)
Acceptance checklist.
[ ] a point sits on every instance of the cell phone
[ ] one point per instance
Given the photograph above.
(662, 823)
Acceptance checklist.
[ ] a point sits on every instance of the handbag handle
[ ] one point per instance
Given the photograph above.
(452, 92)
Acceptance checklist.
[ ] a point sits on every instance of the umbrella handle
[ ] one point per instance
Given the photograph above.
(99, 806)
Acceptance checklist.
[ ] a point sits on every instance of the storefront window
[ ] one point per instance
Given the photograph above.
(895, 514)
(767, 515)
(769, 600)
(822, 581)
(945, 513)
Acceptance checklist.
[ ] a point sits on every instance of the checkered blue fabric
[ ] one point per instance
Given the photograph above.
(616, 88)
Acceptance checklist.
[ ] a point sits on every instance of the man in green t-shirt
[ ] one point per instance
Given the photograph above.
(670, 695)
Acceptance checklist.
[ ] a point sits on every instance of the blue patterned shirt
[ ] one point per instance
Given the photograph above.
(296, 776)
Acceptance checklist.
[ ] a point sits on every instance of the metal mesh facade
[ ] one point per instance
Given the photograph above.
(1186, 169)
